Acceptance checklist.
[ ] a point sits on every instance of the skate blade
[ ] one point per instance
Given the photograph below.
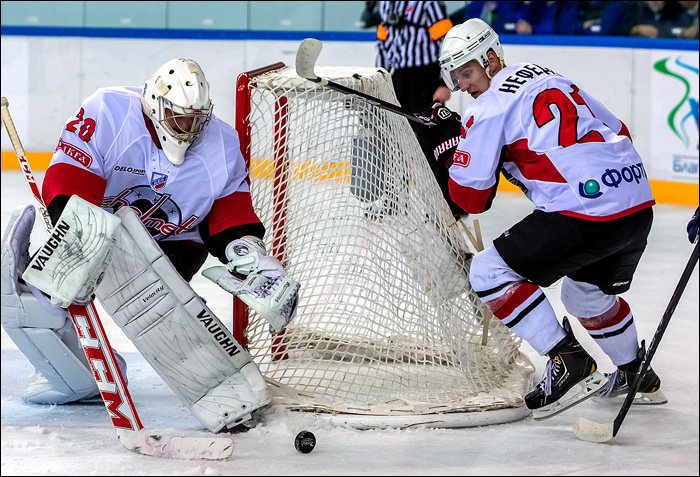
(640, 399)
(579, 393)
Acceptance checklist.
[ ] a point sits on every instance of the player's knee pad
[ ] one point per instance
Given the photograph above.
(607, 318)
(489, 271)
(584, 300)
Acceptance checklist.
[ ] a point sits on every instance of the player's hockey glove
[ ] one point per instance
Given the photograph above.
(440, 142)
(259, 280)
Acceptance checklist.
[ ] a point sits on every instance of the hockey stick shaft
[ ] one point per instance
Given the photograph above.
(88, 325)
(24, 162)
(306, 60)
(675, 298)
(103, 363)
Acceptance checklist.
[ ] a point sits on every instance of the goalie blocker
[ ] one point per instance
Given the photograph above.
(42, 332)
(169, 324)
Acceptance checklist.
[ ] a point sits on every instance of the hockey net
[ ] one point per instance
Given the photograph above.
(388, 330)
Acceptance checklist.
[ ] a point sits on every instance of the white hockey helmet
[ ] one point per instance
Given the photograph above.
(469, 41)
(180, 87)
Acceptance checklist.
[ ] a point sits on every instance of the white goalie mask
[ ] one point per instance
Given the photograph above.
(469, 41)
(177, 101)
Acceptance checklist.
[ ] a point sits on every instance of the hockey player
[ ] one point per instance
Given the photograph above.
(593, 212)
(160, 154)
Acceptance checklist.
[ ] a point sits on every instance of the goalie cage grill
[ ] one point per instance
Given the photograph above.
(388, 331)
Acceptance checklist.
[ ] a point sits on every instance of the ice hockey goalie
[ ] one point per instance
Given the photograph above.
(116, 258)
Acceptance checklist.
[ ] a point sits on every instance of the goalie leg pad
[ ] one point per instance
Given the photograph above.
(175, 331)
(44, 334)
(69, 265)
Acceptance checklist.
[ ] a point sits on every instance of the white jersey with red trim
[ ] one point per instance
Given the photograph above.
(108, 155)
(566, 151)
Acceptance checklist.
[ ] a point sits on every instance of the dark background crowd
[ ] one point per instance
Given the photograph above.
(657, 19)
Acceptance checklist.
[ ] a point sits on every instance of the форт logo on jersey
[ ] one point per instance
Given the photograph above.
(158, 180)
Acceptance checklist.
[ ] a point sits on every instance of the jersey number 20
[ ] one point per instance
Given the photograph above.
(87, 128)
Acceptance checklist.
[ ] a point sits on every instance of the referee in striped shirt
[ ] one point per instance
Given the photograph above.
(408, 46)
(409, 37)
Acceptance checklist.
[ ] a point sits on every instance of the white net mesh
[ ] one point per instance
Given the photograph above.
(387, 323)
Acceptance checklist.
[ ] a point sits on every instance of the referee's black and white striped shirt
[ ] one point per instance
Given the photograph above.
(410, 33)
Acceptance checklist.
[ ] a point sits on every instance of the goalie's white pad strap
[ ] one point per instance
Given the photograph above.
(44, 334)
(69, 264)
(175, 331)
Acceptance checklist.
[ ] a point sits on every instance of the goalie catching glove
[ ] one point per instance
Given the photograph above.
(440, 142)
(259, 280)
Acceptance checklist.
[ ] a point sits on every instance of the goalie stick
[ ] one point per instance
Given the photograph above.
(307, 54)
(103, 363)
(591, 431)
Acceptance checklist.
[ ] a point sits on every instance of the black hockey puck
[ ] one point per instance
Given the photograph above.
(305, 442)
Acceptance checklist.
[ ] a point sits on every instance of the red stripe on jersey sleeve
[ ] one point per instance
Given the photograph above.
(65, 179)
(470, 200)
(230, 211)
(533, 166)
(624, 131)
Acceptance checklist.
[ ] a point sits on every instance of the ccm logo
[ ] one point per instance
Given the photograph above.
(461, 158)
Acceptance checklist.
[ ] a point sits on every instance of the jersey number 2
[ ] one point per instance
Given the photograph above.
(87, 128)
(568, 115)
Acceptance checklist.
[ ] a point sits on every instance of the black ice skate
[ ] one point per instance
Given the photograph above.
(620, 381)
(571, 376)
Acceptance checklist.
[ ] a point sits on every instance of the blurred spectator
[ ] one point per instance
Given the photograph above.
(652, 19)
(604, 18)
(501, 16)
(689, 22)
(657, 19)
(538, 18)
(409, 37)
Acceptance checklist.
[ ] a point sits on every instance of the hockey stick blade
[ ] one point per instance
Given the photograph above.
(588, 430)
(591, 431)
(150, 443)
(307, 54)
